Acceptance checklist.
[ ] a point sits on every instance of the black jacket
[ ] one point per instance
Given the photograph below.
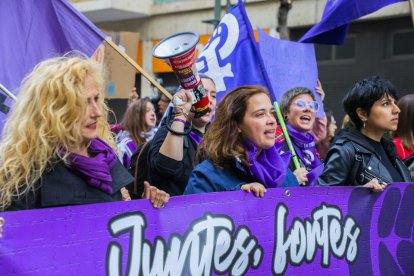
(342, 167)
(166, 173)
(59, 186)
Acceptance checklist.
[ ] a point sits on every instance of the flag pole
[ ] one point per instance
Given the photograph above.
(7, 92)
(286, 134)
(139, 68)
(412, 10)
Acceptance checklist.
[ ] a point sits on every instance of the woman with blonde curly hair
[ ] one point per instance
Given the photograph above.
(239, 147)
(57, 149)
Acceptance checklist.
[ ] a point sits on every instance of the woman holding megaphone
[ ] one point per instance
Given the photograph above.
(173, 149)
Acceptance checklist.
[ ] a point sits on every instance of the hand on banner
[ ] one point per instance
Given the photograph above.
(301, 175)
(375, 186)
(255, 187)
(157, 197)
(125, 194)
(1, 227)
(319, 89)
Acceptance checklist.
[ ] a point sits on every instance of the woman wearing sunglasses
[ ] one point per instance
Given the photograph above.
(362, 156)
(299, 107)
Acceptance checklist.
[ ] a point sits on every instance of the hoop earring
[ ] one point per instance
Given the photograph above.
(363, 124)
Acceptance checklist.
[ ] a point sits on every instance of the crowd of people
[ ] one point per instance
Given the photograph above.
(58, 149)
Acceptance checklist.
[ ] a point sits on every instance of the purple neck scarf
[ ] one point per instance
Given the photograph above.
(196, 136)
(95, 170)
(305, 148)
(269, 168)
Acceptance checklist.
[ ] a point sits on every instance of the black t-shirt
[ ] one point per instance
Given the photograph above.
(385, 160)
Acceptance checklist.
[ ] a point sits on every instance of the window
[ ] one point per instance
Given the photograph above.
(403, 43)
(337, 53)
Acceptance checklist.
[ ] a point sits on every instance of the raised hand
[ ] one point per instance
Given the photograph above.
(319, 89)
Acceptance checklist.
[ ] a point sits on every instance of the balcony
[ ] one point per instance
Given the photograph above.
(113, 10)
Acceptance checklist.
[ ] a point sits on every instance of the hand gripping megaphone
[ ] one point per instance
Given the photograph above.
(178, 51)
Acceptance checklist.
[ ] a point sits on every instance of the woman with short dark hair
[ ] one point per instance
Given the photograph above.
(239, 147)
(362, 156)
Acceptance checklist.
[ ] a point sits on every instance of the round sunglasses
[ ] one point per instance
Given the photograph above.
(302, 104)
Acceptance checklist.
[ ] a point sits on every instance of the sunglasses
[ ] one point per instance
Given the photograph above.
(314, 106)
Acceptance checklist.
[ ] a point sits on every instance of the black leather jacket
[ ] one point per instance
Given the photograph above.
(343, 169)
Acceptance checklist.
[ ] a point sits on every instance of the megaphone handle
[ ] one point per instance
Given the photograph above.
(139, 68)
(177, 101)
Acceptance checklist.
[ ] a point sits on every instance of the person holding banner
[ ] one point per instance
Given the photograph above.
(299, 107)
(57, 149)
(239, 148)
(173, 149)
(362, 157)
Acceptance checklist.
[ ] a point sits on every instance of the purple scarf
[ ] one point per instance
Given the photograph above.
(269, 168)
(196, 136)
(95, 170)
(305, 148)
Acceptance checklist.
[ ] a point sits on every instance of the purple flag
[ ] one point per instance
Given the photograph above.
(337, 16)
(231, 55)
(32, 31)
(289, 64)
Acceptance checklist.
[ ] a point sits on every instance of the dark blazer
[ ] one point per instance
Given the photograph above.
(59, 186)
(342, 157)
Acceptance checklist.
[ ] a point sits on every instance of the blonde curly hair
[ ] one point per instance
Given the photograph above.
(47, 118)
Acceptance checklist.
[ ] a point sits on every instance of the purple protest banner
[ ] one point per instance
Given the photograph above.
(289, 64)
(299, 231)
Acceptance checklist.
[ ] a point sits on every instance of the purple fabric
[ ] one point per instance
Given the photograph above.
(95, 170)
(314, 174)
(269, 168)
(289, 64)
(196, 136)
(32, 31)
(74, 239)
(305, 148)
(337, 16)
(126, 157)
(231, 56)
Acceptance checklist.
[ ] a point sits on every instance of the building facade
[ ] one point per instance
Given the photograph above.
(379, 44)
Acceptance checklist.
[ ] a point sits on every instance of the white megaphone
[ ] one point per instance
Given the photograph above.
(178, 51)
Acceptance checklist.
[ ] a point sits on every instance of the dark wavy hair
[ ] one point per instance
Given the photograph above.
(364, 94)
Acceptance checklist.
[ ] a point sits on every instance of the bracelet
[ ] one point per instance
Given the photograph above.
(177, 133)
(186, 115)
(179, 120)
(176, 115)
